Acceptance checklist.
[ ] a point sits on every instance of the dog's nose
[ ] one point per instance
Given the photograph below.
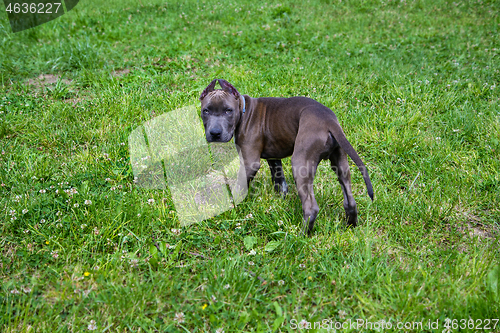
(216, 132)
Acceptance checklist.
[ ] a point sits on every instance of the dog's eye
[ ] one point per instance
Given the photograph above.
(229, 110)
(205, 111)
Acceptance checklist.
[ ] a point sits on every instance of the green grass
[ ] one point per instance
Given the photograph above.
(415, 85)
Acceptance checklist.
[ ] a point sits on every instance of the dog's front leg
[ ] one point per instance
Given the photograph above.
(249, 165)
(251, 160)
(278, 176)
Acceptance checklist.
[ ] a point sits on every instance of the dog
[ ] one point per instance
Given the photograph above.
(274, 128)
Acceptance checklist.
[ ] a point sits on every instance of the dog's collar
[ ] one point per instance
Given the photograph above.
(243, 103)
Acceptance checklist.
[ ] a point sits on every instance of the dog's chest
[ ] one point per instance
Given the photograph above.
(276, 148)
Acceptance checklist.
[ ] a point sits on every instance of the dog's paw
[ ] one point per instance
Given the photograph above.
(281, 188)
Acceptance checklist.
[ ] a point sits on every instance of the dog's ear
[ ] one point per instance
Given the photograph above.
(228, 87)
(208, 89)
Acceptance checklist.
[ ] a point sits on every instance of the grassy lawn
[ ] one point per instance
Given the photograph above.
(416, 87)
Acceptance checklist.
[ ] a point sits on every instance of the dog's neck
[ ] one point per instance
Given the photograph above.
(243, 109)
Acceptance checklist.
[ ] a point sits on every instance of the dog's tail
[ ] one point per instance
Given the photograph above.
(339, 135)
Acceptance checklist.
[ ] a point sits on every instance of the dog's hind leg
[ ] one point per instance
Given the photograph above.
(340, 165)
(305, 161)
(278, 176)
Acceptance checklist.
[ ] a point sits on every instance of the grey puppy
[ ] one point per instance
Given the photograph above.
(275, 128)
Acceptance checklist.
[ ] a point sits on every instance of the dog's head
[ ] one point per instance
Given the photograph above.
(221, 110)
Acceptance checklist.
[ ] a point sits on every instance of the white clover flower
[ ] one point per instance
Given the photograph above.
(252, 253)
(179, 317)
(88, 202)
(92, 326)
(281, 282)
